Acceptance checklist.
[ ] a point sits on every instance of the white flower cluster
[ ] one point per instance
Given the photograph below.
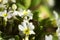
(26, 27)
(7, 14)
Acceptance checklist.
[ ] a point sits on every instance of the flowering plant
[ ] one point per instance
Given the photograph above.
(25, 20)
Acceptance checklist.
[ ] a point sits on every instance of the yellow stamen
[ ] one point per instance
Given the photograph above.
(26, 31)
(25, 12)
(4, 15)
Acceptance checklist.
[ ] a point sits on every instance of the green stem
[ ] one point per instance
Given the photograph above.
(26, 37)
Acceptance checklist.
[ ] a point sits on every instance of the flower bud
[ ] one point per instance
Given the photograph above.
(14, 6)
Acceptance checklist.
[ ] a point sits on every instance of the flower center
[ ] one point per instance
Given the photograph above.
(26, 31)
(25, 12)
(4, 15)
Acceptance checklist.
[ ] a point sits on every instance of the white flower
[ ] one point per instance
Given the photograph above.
(26, 28)
(49, 37)
(26, 14)
(6, 15)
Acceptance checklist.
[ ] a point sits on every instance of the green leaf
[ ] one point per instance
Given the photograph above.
(20, 6)
(27, 3)
(35, 2)
(35, 15)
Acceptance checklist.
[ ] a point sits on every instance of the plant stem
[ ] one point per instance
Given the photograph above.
(26, 37)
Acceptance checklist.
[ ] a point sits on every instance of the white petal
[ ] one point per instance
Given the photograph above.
(28, 11)
(31, 26)
(20, 27)
(5, 11)
(25, 20)
(21, 12)
(24, 24)
(55, 14)
(32, 32)
(15, 13)
(58, 22)
(9, 15)
(30, 17)
(25, 17)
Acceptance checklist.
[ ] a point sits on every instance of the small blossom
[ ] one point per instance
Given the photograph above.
(26, 14)
(26, 28)
(6, 15)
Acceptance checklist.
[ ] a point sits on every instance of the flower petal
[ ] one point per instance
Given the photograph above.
(15, 13)
(55, 14)
(20, 27)
(24, 24)
(32, 32)
(31, 26)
